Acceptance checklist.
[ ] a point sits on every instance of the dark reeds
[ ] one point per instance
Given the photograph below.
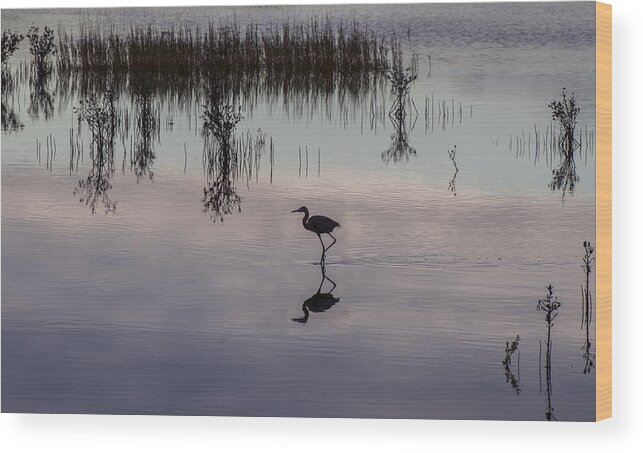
(288, 47)
(286, 58)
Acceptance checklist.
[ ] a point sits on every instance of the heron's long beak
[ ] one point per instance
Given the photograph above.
(296, 210)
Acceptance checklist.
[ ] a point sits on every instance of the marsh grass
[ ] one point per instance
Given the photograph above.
(289, 47)
(303, 53)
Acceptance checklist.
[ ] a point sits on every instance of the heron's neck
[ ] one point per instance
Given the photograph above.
(306, 215)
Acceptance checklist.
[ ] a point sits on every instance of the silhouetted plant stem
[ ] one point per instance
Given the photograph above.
(587, 309)
(550, 306)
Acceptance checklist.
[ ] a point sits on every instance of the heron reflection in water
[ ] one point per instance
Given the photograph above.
(320, 301)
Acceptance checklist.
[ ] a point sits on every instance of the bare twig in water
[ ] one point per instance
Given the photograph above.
(510, 349)
(455, 165)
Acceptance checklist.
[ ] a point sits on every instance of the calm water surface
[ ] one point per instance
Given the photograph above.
(157, 308)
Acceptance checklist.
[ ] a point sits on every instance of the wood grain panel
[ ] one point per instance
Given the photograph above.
(603, 211)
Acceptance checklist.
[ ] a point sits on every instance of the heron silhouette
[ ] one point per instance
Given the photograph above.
(319, 225)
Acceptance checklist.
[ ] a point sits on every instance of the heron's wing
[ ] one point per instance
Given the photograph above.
(322, 223)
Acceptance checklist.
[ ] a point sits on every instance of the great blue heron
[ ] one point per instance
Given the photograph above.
(319, 225)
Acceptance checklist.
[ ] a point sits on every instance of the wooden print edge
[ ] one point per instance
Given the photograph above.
(603, 211)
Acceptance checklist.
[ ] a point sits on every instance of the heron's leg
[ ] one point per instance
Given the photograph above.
(323, 257)
(333, 283)
(332, 243)
(322, 280)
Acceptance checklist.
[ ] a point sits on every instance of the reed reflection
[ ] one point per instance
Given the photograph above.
(220, 120)
(41, 100)
(564, 177)
(147, 133)
(10, 119)
(401, 79)
(102, 119)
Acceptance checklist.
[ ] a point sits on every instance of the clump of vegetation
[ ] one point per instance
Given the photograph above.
(586, 297)
(10, 42)
(510, 349)
(41, 47)
(565, 113)
(400, 76)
